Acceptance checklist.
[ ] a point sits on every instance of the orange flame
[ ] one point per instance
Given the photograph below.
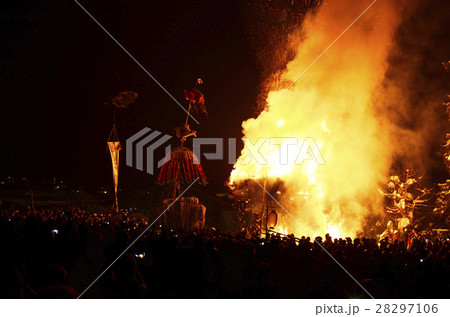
(332, 104)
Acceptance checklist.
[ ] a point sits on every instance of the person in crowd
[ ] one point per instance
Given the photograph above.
(58, 253)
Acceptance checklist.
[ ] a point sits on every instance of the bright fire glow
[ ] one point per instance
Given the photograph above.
(280, 123)
(281, 230)
(333, 230)
(332, 102)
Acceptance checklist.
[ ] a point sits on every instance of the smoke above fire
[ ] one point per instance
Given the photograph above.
(333, 101)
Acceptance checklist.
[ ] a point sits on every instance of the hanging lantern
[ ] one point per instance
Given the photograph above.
(272, 218)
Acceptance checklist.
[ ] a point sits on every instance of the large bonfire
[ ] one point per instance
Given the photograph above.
(331, 103)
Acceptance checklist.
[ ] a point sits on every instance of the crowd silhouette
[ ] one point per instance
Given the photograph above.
(59, 253)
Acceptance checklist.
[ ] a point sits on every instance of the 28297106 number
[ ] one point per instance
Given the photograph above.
(406, 308)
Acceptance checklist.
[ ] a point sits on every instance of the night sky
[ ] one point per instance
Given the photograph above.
(58, 69)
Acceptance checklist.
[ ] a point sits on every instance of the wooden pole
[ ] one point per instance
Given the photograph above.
(117, 202)
(267, 216)
(262, 207)
(187, 115)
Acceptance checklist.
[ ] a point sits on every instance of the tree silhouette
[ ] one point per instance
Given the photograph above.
(443, 196)
(406, 197)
